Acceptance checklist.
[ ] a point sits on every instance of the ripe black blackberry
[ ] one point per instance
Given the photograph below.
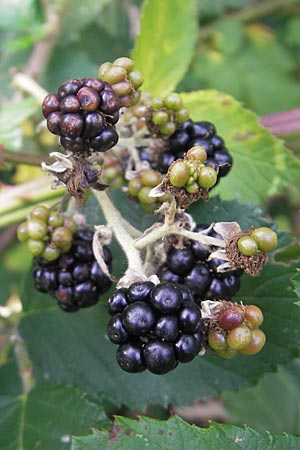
(190, 266)
(155, 326)
(83, 113)
(75, 279)
(188, 135)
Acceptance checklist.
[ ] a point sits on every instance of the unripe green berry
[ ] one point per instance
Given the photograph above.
(55, 219)
(36, 229)
(217, 340)
(22, 232)
(122, 88)
(65, 248)
(115, 74)
(266, 238)
(247, 245)
(197, 153)
(70, 223)
(173, 101)
(40, 212)
(207, 177)
(228, 353)
(61, 236)
(160, 117)
(239, 337)
(144, 197)
(150, 178)
(192, 188)
(50, 253)
(103, 69)
(136, 78)
(125, 62)
(157, 103)
(168, 128)
(35, 247)
(179, 173)
(134, 186)
(182, 115)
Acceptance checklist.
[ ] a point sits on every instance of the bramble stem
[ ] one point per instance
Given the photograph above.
(159, 232)
(116, 222)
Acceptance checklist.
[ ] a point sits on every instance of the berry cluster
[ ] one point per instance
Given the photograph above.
(192, 267)
(124, 80)
(260, 239)
(140, 186)
(237, 330)
(47, 233)
(191, 172)
(191, 134)
(155, 326)
(75, 279)
(83, 113)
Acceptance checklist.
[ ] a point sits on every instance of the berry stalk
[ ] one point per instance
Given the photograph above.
(166, 229)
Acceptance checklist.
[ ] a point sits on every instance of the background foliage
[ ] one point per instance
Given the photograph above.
(58, 375)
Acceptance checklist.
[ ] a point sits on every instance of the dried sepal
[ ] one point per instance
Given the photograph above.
(251, 264)
(102, 236)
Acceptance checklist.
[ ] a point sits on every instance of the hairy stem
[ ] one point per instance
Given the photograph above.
(116, 222)
(158, 232)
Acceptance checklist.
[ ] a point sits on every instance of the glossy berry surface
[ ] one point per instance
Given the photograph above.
(231, 318)
(83, 114)
(266, 238)
(191, 267)
(74, 278)
(160, 325)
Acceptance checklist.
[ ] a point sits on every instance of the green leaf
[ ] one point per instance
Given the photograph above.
(296, 283)
(261, 409)
(45, 418)
(171, 27)
(11, 117)
(73, 348)
(179, 435)
(257, 155)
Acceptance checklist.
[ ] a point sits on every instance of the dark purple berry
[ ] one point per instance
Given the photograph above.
(159, 357)
(166, 328)
(140, 290)
(198, 279)
(180, 261)
(129, 357)
(189, 318)
(117, 301)
(186, 348)
(50, 104)
(53, 122)
(165, 274)
(70, 87)
(138, 318)
(71, 125)
(109, 100)
(116, 331)
(69, 104)
(105, 140)
(166, 297)
(94, 124)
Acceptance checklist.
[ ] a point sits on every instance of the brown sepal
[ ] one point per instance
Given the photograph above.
(251, 264)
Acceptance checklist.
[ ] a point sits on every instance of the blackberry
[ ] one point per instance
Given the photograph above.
(83, 114)
(75, 279)
(155, 326)
(191, 267)
(191, 134)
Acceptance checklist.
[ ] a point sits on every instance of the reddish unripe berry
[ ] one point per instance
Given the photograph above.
(231, 318)
(257, 342)
(254, 315)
